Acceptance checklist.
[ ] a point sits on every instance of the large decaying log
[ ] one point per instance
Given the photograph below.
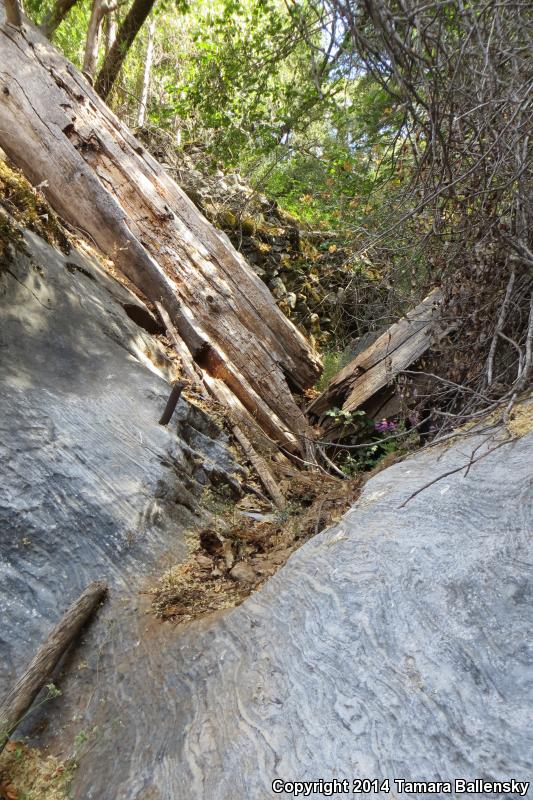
(39, 671)
(395, 350)
(102, 181)
(236, 412)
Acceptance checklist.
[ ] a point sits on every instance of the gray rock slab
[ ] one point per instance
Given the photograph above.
(92, 487)
(396, 644)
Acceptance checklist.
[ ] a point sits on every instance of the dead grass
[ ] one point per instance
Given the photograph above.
(27, 774)
(520, 420)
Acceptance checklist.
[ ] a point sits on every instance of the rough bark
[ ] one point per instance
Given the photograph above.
(372, 369)
(127, 32)
(189, 369)
(215, 388)
(48, 656)
(102, 181)
(13, 12)
(143, 104)
(55, 16)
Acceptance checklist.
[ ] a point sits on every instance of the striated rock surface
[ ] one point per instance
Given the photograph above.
(91, 486)
(395, 644)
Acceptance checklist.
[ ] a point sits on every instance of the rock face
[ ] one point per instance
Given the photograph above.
(396, 644)
(91, 486)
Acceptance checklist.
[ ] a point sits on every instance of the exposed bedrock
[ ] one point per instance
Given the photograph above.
(395, 644)
(91, 486)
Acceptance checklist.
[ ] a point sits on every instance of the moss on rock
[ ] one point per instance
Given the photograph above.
(227, 218)
(27, 207)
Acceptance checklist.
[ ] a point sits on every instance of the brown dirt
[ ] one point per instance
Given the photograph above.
(27, 774)
(235, 554)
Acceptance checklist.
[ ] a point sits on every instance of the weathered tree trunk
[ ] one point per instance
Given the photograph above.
(13, 12)
(110, 29)
(127, 32)
(143, 105)
(55, 16)
(102, 181)
(92, 41)
(43, 664)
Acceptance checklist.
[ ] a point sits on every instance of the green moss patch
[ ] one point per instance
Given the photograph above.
(27, 207)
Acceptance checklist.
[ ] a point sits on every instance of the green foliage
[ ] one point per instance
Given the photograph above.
(331, 365)
(71, 34)
(345, 417)
(252, 82)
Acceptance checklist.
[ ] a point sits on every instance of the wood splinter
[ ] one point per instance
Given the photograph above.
(20, 698)
(261, 467)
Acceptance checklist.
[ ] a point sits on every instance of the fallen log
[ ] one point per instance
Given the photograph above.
(206, 384)
(219, 391)
(102, 181)
(364, 380)
(41, 667)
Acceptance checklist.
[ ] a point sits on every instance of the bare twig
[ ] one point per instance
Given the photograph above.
(456, 469)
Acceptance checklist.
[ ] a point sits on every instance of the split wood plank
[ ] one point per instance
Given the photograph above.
(395, 350)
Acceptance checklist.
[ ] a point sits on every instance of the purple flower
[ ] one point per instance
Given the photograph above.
(384, 425)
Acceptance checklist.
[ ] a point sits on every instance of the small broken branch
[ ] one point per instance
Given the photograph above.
(20, 698)
(499, 326)
(453, 471)
(172, 402)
